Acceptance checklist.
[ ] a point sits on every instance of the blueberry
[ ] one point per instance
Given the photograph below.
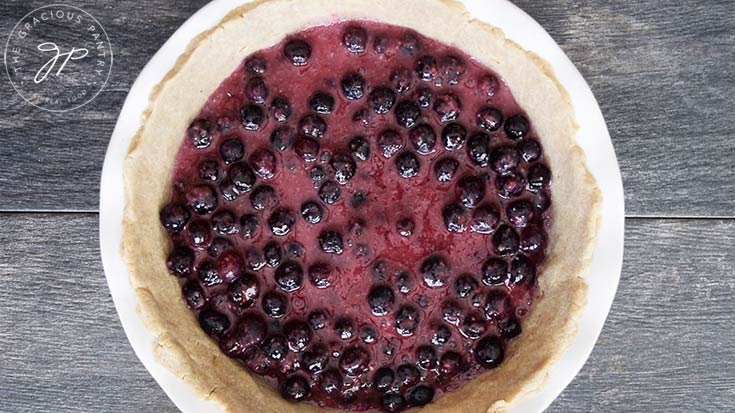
(489, 352)
(180, 262)
(407, 113)
(393, 402)
(272, 254)
(533, 240)
(209, 171)
(213, 323)
(505, 240)
(322, 275)
(484, 219)
(450, 364)
(331, 242)
(307, 148)
(363, 117)
(452, 312)
(478, 149)
(473, 326)
(281, 222)
(249, 225)
(390, 142)
(424, 96)
(244, 291)
(331, 382)
(509, 185)
(202, 199)
(289, 276)
(494, 271)
(516, 127)
(360, 148)
(354, 361)
(382, 99)
(522, 270)
(404, 282)
(435, 271)
(451, 68)
(295, 388)
(322, 102)
(297, 51)
(420, 395)
(263, 198)
(229, 265)
(345, 328)
(224, 222)
(489, 118)
(231, 150)
(298, 335)
(445, 169)
(407, 374)
(174, 217)
(465, 285)
(208, 275)
(275, 347)
(255, 65)
(315, 359)
(489, 85)
(256, 90)
(329, 192)
(504, 160)
(406, 320)
(368, 334)
(381, 300)
(426, 357)
(317, 320)
(281, 138)
(455, 218)
(294, 249)
(313, 126)
(312, 212)
(354, 39)
(425, 68)
(401, 79)
(423, 138)
(252, 117)
(281, 109)
(520, 213)
(497, 304)
(448, 107)
(409, 44)
(200, 134)
(344, 167)
(383, 379)
(274, 304)
(193, 295)
(408, 165)
(254, 259)
(242, 177)
(530, 150)
(509, 327)
(539, 177)
(200, 234)
(405, 227)
(471, 191)
(317, 174)
(218, 246)
(454, 136)
(353, 86)
(440, 335)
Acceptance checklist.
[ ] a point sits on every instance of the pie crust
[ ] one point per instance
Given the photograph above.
(184, 348)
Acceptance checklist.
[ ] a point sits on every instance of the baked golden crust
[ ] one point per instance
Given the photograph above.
(188, 352)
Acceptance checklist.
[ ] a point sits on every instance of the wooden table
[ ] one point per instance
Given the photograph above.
(663, 74)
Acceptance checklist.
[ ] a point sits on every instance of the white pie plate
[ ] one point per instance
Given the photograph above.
(593, 137)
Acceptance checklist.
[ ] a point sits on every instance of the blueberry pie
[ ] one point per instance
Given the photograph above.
(359, 205)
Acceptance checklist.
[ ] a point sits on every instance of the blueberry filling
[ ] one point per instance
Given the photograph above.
(312, 211)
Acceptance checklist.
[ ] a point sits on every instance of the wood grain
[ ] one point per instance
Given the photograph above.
(661, 73)
(667, 345)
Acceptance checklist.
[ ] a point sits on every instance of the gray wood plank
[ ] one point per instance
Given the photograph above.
(667, 345)
(660, 71)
